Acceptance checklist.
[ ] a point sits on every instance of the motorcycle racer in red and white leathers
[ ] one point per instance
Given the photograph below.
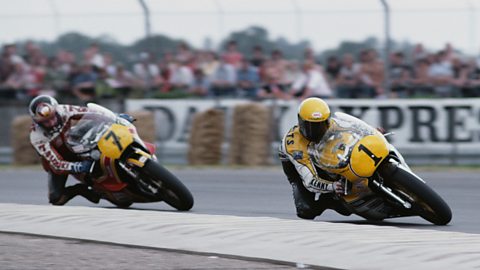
(50, 122)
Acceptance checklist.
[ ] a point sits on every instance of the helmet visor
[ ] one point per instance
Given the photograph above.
(49, 122)
(46, 116)
(313, 131)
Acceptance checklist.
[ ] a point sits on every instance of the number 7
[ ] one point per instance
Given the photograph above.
(115, 139)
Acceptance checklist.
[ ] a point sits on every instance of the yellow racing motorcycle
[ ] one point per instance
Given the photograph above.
(381, 184)
(125, 170)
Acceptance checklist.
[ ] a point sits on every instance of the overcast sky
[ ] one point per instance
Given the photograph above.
(324, 22)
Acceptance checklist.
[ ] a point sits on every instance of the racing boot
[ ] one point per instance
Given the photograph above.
(307, 207)
(82, 190)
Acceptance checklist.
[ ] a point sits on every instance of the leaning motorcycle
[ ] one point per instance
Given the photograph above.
(381, 184)
(125, 170)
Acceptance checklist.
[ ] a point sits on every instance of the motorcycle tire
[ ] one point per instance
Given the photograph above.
(425, 201)
(125, 205)
(173, 192)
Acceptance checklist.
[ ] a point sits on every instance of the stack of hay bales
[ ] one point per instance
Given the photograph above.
(145, 125)
(206, 138)
(250, 135)
(23, 151)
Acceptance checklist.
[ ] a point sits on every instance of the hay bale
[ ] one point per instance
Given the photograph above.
(145, 125)
(250, 140)
(206, 138)
(23, 151)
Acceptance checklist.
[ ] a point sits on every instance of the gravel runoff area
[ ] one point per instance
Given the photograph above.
(31, 252)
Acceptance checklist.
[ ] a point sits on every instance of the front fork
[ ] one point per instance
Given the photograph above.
(388, 191)
(388, 168)
(135, 161)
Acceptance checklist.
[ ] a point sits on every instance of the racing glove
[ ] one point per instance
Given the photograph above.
(342, 187)
(127, 117)
(81, 166)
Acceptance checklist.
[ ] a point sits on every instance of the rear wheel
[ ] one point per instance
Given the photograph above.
(425, 201)
(171, 190)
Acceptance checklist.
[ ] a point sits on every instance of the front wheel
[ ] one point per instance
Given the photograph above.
(425, 201)
(171, 190)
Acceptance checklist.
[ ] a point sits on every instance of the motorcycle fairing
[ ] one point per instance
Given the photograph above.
(347, 149)
(115, 140)
(111, 181)
(367, 155)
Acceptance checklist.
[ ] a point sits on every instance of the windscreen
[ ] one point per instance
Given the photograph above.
(85, 133)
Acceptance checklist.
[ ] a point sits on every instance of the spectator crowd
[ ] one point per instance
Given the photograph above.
(229, 73)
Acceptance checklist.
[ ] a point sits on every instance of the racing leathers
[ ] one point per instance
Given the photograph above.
(313, 189)
(58, 160)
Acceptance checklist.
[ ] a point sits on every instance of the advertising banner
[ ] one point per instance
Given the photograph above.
(430, 126)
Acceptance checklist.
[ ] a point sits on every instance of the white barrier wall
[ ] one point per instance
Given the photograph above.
(447, 129)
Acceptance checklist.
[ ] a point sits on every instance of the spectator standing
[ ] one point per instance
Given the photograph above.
(292, 72)
(123, 81)
(6, 66)
(181, 79)
(471, 75)
(231, 55)
(276, 67)
(441, 75)
(421, 82)
(200, 85)
(371, 75)
(272, 88)
(347, 82)
(400, 75)
(183, 54)
(94, 57)
(33, 54)
(209, 64)
(309, 55)
(224, 80)
(450, 53)
(55, 79)
(248, 80)
(66, 60)
(332, 70)
(84, 83)
(147, 72)
(312, 83)
(110, 65)
(104, 85)
(258, 57)
(418, 52)
(20, 81)
(12, 55)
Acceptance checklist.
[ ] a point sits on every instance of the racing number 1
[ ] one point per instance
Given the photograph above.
(369, 153)
(115, 139)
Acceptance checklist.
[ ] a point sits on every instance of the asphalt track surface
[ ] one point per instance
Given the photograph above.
(240, 192)
(264, 192)
(26, 252)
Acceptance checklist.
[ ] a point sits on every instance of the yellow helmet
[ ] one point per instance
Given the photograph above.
(313, 118)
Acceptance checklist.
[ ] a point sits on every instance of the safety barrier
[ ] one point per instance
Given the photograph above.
(443, 131)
